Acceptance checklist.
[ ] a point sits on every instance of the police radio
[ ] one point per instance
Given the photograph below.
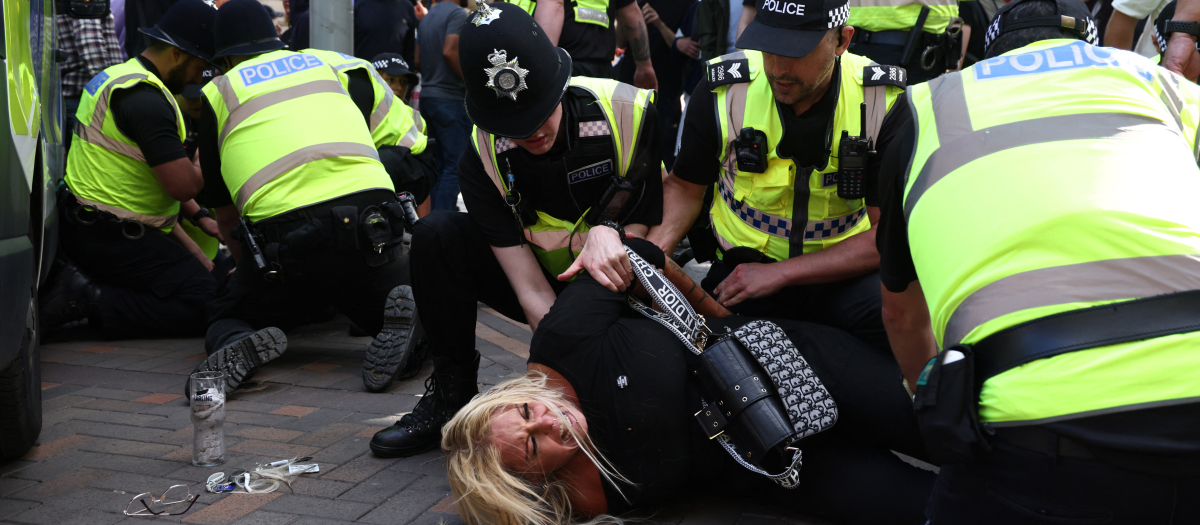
(853, 155)
(751, 149)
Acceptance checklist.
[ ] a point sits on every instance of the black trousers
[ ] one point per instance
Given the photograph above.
(854, 305)
(893, 55)
(313, 280)
(453, 268)
(1011, 485)
(148, 286)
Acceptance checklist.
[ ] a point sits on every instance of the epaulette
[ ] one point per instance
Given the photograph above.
(876, 75)
(731, 71)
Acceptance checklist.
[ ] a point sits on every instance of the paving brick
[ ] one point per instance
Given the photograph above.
(55, 466)
(119, 361)
(342, 451)
(329, 434)
(319, 507)
(231, 508)
(196, 358)
(377, 488)
(263, 517)
(56, 447)
(158, 399)
(318, 521)
(316, 420)
(432, 518)
(175, 367)
(113, 405)
(358, 469)
(183, 454)
(242, 405)
(98, 349)
(10, 508)
(269, 448)
(446, 506)
(368, 432)
(135, 483)
(66, 515)
(321, 367)
(148, 466)
(324, 488)
(60, 391)
(48, 385)
(432, 463)
(111, 393)
(58, 403)
(127, 448)
(294, 411)
(250, 418)
(432, 483)
(263, 433)
(62, 484)
(9, 467)
(177, 417)
(403, 507)
(120, 418)
(10, 485)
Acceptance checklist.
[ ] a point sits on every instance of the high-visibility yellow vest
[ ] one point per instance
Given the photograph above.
(105, 169)
(290, 136)
(554, 241)
(890, 15)
(392, 122)
(755, 209)
(586, 11)
(209, 245)
(1026, 202)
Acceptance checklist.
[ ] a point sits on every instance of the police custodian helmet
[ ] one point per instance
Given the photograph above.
(514, 76)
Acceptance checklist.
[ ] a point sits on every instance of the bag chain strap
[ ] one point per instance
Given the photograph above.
(677, 313)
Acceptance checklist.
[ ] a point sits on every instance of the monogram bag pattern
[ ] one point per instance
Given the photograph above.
(809, 405)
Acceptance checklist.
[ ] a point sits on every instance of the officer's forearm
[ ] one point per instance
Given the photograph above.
(526, 278)
(549, 14)
(1187, 11)
(227, 220)
(681, 205)
(633, 25)
(906, 318)
(848, 259)
(1119, 33)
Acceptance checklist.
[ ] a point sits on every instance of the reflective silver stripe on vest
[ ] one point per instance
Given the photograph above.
(97, 119)
(299, 158)
(384, 106)
(225, 88)
(1108, 280)
(959, 143)
(94, 136)
(153, 221)
(595, 15)
(410, 138)
(417, 121)
(241, 112)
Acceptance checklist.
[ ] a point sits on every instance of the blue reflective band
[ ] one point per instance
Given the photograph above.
(96, 82)
(279, 67)
(1071, 56)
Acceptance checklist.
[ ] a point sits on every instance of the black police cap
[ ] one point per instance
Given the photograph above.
(514, 76)
(187, 25)
(1071, 15)
(792, 28)
(245, 28)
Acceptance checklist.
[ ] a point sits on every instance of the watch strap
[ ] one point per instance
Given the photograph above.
(1179, 26)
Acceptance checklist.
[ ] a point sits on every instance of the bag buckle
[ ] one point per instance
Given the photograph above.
(702, 334)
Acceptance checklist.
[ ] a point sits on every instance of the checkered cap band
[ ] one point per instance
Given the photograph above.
(504, 144)
(1090, 34)
(839, 16)
(595, 128)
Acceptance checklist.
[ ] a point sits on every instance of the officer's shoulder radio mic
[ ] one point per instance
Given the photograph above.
(853, 155)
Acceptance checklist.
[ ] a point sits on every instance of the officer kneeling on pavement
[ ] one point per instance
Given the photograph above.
(1039, 226)
(781, 134)
(294, 173)
(127, 175)
(561, 168)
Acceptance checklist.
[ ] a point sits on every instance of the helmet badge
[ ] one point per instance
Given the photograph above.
(505, 77)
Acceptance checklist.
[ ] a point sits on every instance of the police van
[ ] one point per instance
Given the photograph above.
(31, 163)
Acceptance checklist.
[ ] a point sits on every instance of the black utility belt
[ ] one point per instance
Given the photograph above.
(82, 214)
(924, 50)
(947, 396)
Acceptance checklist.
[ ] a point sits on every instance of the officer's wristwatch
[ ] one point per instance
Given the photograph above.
(1177, 26)
(195, 219)
(616, 227)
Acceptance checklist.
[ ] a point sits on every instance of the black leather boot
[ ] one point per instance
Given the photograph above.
(73, 297)
(446, 391)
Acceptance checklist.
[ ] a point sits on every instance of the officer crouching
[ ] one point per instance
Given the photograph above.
(785, 134)
(294, 174)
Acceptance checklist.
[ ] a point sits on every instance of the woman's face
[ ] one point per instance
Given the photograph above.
(533, 440)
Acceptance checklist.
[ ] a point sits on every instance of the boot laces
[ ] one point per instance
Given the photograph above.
(427, 410)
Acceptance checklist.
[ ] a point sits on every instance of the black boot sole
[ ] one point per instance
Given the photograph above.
(240, 358)
(390, 350)
(404, 452)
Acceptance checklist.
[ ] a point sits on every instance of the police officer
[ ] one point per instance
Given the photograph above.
(560, 170)
(924, 36)
(1076, 309)
(290, 162)
(584, 29)
(776, 133)
(127, 174)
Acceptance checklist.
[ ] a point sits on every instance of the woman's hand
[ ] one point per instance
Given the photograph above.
(208, 225)
(604, 258)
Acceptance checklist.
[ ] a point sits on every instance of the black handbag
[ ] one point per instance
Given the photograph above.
(759, 394)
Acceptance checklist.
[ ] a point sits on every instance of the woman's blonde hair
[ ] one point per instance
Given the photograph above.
(485, 492)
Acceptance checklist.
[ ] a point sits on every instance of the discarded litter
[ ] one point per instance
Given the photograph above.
(264, 478)
(208, 418)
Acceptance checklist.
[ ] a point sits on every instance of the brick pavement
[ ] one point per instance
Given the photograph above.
(116, 424)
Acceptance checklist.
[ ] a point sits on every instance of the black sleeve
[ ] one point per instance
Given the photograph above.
(696, 159)
(896, 268)
(647, 163)
(485, 204)
(215, 194)
(362, 92)
(412, 173)
(144, 115)
(895, 123)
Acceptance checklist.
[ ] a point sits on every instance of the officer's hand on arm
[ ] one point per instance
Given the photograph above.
(180, 178)
(633, 27)
(526, 278)
(906, 318)
(227, 220)
(604, 258)
(178, 235)
(750, 281)
(681, 205)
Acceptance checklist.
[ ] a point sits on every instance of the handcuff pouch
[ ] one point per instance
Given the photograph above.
(345, 228)
(946, 405)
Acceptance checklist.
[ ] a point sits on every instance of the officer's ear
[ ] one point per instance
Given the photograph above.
(845, 35)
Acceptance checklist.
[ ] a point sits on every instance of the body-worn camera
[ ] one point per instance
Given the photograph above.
(853, 155)
(751, 150)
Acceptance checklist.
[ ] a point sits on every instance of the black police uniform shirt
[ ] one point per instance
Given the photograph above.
(1162, 441)
(590, 42)
(145, 115)
(543, 179)
(807, 138)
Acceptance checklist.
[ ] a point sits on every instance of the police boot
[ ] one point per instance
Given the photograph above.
(390, 350)
(446, 391)
(73, 297)
(239, 359)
